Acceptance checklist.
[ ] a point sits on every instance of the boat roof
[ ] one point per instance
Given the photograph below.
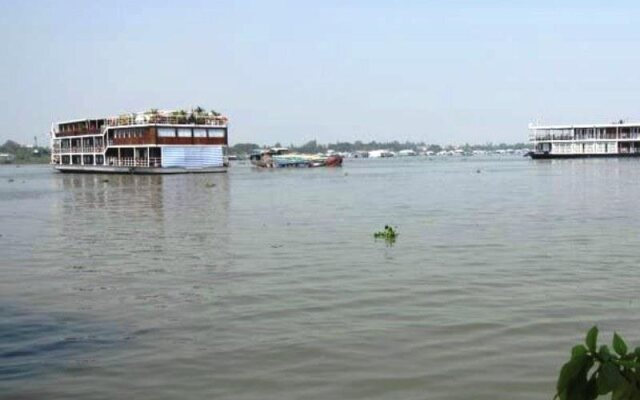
(128, 113)
(71, 121)
(609, 125)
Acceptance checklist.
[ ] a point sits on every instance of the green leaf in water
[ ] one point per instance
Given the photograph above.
(578, 351)
(604, 353)
(569, 372)
(592, 339)
(611, 377)
(619, 345)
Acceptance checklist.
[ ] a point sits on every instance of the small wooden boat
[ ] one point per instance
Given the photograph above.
(280, 157)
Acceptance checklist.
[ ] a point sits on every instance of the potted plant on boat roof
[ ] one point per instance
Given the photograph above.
(125, 119)
(180, 116)
(217, 118)
(199, 113)
(153, 115)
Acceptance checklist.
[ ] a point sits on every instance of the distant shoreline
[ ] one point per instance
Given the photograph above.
(20, 163)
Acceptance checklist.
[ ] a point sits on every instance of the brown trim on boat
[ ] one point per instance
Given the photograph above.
(192, 140)
(148, 138)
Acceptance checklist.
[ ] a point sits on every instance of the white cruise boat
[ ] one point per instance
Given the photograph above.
(620, 139)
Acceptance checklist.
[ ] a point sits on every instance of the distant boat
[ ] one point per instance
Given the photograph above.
(618, 139)
(6, 158)
(380, 154)
(281, 157)
(361, 154)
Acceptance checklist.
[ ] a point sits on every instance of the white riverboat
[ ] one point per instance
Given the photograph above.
(152, 142)
(619, 139)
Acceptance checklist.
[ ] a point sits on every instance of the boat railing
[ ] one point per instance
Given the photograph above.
(551, 137)
(75, 132)
(627, 150)
(606, 136)
(624, 135)
(570, 137)
(134, 162)
(167, 119)
(78, 149)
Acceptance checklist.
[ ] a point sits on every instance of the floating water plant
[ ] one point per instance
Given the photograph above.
(595, 371)
(388, 234)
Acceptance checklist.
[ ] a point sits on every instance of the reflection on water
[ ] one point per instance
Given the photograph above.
(114, 217)
(33, 343)
(269, 284)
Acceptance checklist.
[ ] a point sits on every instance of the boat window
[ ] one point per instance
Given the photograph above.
(216, 132)
(184, 132)
(199, 133)
(166, 132)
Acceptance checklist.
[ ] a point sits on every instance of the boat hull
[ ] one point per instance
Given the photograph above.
(294, 162)
(547, 156)
(98, 169)
(334, 161)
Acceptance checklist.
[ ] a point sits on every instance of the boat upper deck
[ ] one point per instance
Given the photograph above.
(585, 132)
(97, 126)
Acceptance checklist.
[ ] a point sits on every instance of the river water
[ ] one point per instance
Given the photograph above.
(269, 284)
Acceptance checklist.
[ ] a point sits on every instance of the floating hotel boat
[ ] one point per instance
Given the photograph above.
(153, 142)
(280, 157)
(619, 139)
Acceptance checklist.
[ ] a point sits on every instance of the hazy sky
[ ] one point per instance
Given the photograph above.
(291, 71)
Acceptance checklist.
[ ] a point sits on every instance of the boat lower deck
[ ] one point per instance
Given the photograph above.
(105, 169)
(546, 156)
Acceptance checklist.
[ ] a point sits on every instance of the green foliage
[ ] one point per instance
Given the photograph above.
(590, 373)
(26, 155)
(242, 149)
(388, 234)
(10, 147)
(619, 345)
(592, 339)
